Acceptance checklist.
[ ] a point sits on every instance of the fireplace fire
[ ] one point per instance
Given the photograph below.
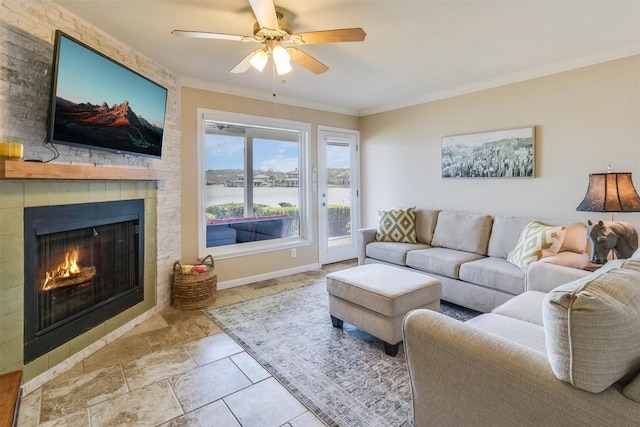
(68, 273)
(83, 265)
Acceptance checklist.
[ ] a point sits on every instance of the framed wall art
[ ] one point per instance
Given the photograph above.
(498, 154)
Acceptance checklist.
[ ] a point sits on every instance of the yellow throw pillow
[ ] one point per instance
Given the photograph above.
(397, 225)
(536, 241)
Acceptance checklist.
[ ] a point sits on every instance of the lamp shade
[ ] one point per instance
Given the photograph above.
(610, 192)
(281, 58)
(259, 60)
(283, 68)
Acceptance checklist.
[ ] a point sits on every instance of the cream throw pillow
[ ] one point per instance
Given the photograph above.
(536, 241)
(575, 238)
(397, 225)
(591, 328)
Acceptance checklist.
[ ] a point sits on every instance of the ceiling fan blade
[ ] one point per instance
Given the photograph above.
(265, 12)
(244, 65)
(206, 35)
(333, 36)
(307, 61)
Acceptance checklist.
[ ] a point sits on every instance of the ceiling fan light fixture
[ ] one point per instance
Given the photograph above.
(280, 54)
(283, 67)
(272, 31)
(281, 58)
(259, 60)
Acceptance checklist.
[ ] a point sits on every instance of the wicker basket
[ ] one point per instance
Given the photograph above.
(194, 290)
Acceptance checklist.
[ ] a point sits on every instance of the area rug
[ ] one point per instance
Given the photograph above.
(342, 375)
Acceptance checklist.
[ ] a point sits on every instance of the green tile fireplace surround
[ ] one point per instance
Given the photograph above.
(15, 195)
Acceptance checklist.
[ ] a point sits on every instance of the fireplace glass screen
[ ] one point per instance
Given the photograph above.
(80, 269)
(83, 266)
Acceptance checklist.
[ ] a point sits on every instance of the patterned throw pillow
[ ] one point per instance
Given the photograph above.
(397, 226)
(536, 241)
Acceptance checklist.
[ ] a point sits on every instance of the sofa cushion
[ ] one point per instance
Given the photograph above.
(442, 261)
(425, 224)
(520, 332)
(630, 264)
(632, 390)
(536, 241)
(397, 225)
(495, 273)
(505, 233)
(591, 326)
(462, 231)
(526, 307)
(395, 253)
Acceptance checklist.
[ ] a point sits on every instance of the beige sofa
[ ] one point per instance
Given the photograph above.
(467, 252)
(569, 357)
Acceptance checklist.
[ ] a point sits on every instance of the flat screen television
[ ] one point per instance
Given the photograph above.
(100, 104)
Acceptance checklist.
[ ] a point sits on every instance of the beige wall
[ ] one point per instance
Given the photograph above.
(585, 119)
(259, 264)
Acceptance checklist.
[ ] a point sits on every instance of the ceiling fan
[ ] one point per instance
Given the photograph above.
(279, 41)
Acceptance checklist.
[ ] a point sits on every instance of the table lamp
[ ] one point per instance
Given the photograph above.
(610, 192)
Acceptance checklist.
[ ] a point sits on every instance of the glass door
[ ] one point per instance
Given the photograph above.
(338, 192)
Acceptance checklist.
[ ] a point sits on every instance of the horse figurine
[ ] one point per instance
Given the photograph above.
(620, 236)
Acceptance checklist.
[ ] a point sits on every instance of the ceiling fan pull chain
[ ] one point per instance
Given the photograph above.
(273, 74)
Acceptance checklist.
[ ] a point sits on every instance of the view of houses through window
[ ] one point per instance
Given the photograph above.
(252, 178)
(338, 193)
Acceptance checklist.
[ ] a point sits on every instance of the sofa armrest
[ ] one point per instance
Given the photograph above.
(544, 276)
(464, 376)
(363, 237)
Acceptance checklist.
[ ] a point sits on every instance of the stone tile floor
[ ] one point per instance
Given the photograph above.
(176, 369)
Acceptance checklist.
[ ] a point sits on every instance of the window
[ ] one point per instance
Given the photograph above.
(254, 195)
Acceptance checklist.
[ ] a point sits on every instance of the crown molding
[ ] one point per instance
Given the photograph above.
(520, 76)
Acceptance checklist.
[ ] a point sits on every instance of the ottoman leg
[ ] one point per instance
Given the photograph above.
(337, 323)
(391, 349)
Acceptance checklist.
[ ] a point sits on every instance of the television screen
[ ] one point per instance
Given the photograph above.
(99, 103)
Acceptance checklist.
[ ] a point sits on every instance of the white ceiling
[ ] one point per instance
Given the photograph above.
(415, 50)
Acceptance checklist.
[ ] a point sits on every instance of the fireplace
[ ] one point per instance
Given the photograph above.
(83, 265)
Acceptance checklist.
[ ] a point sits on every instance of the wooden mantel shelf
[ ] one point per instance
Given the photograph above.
(17, 169)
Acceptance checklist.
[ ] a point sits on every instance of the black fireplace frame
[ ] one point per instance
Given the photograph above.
(44, 220)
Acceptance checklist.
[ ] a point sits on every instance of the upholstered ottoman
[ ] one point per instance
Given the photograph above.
(376, 297)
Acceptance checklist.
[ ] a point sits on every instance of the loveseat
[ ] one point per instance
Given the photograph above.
(569, 356)
(468, 253)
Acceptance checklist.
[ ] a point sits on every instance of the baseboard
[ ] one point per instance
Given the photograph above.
(266, 276)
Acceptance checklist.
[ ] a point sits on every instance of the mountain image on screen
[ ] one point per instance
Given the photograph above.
(117, 127)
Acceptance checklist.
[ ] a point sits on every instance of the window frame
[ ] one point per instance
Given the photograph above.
(249, 248)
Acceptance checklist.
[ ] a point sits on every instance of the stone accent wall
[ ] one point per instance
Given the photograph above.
(27, 30)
